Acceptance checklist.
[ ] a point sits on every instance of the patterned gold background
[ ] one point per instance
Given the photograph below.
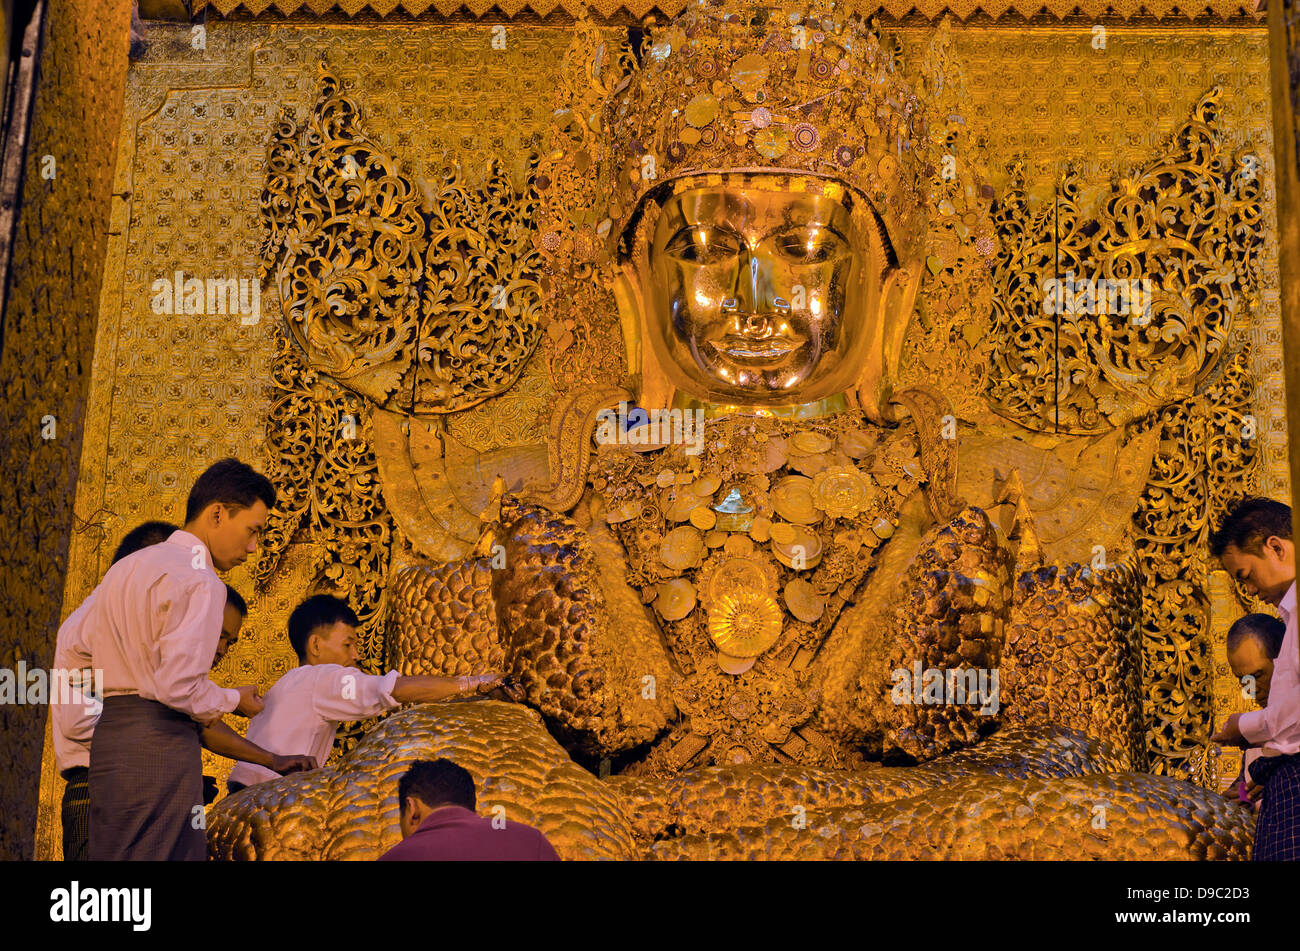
(170, 394)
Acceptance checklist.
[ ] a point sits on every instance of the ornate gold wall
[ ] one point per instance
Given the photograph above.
(170, 394)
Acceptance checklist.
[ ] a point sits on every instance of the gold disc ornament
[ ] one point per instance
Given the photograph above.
(792, 498)
(803, 601)
(842, 492)
(744, 623)
(810, 443)
(682, 548)
(802, 553)
(735, 574)
(734, 665)
(676, 599)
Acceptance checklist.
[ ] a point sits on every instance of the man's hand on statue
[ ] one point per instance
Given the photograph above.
(1230, 735)
(298, 762)
(250, 701)
(1254, 792)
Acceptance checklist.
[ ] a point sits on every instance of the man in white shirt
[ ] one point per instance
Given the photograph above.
(1254, 546)
(153, 630)
(306, 705)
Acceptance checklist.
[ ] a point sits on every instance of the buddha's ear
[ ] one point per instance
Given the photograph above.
(653, 390)
(896, 300)
(901, 287)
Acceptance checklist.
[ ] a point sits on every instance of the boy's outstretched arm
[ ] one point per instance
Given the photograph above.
(423, 689)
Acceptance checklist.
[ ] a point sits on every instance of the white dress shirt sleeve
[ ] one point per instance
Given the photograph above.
(346, 693)
(1270, 723)
(73, 721)
(188, 642)
(1278, 724)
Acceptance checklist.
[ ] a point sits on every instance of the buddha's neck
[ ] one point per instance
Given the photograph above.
(824, 407)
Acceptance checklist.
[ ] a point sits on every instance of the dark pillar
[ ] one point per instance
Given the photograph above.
(48, 343)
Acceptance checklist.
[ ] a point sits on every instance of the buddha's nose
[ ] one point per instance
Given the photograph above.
(751, 292)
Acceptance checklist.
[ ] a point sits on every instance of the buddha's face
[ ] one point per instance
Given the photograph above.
(761, 294)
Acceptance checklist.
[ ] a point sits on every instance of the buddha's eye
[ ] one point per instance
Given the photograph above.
(703, 245)
(810, 245)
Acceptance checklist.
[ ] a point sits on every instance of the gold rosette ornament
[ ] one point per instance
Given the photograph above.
(842, 492)
(745, 623)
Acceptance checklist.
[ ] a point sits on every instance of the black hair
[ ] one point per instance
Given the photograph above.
(234, 484)
(320, 610)
(1266, 630)
(438, 782)
(236, 600)
(1249, 523)
(143, 536)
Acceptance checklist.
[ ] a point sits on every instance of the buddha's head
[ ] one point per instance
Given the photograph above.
(767, 212)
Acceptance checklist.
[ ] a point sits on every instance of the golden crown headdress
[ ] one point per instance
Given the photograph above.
(734, 85)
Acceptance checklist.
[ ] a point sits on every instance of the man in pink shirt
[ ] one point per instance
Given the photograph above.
(305, 706)
(1254, 546)
(439, 823)
(153, 630)
(74, 722)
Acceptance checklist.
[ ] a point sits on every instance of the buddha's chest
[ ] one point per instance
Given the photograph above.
(748, 550)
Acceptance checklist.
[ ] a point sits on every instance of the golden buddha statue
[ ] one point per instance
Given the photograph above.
(795, 608)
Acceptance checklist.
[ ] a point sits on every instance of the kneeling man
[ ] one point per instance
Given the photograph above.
(439, 823)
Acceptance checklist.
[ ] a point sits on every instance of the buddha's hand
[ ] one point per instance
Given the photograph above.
(941, 684)
(1072, 654)
(578, 643)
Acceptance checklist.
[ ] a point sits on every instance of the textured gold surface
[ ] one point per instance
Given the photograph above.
(1072, 655)
(350, 810)
(1145, 818)
(1030, 794)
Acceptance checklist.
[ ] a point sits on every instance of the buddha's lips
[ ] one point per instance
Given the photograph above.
(740, 347)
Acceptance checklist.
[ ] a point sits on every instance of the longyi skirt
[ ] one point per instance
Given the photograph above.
(146, 784)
